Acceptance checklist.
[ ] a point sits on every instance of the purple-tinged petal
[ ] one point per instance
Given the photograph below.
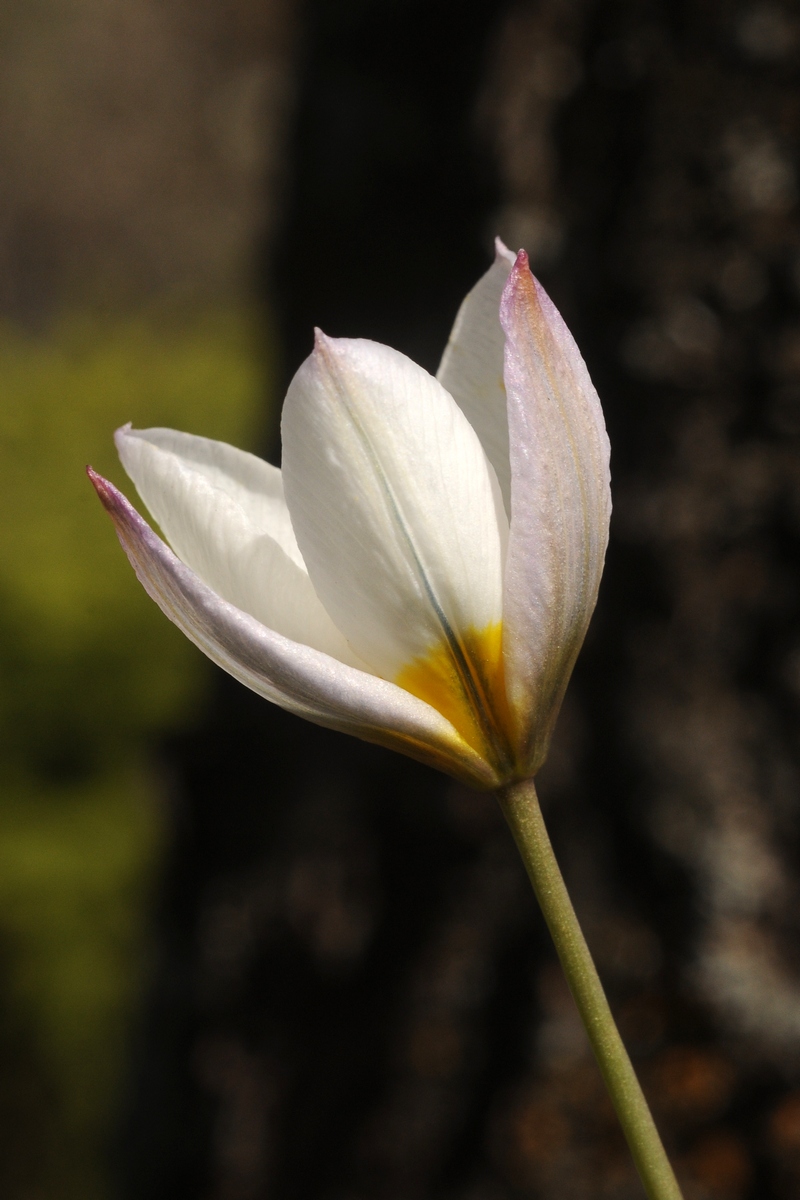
(560, 508)
(296, 677)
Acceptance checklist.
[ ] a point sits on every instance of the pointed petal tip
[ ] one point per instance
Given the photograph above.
(325, 348)
(522, 293)
(110, 498)
(124, 431)
(501, 250)
(100, 484)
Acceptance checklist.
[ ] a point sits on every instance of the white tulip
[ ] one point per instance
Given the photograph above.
(422, 571)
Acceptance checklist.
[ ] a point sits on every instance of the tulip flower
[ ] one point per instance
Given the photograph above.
(420, 573)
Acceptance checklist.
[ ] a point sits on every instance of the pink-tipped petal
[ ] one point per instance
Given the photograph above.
(560, 508)
(296, 677)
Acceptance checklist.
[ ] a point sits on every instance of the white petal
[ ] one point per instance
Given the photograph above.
(395, 506)
(472, 365)
(560, 507)
(224, 514)
(296, 677)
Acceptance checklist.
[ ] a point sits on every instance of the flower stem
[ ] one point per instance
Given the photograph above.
(520, 805)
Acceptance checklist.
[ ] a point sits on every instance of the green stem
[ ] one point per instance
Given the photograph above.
(520, 805)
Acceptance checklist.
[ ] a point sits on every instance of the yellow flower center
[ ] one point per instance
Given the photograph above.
(465, 682)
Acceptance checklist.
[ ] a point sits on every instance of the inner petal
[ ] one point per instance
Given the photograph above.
(472, 366)
(396, 509)
(223, 513)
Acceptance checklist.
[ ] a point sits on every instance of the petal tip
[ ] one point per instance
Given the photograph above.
(106, 491)
(99, 482)
(325, 348)
(501, 251)
(124, 431)
(521, 293)
(118, 508)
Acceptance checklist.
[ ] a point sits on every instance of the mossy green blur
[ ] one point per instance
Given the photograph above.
(89, 672)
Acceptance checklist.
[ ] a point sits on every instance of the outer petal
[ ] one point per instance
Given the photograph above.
(296, 677)
(224, 514)
(396, 509)
(472, 366)
(560, 508)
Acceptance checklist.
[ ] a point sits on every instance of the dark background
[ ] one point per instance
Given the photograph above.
(351, 994)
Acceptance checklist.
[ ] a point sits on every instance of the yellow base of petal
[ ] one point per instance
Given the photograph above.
(467, 686)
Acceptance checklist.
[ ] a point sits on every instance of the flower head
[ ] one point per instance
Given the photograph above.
(422, 571)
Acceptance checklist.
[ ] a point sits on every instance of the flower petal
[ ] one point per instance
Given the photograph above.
(296, 677)
(225, 516)
(396, 509)
(560, 507)
(472, 365)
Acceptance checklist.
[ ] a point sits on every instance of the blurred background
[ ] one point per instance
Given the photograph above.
(243, 958)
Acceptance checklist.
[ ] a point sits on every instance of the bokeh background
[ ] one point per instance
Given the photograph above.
(242, 958)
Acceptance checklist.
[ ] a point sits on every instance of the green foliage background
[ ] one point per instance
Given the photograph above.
(90, 672)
